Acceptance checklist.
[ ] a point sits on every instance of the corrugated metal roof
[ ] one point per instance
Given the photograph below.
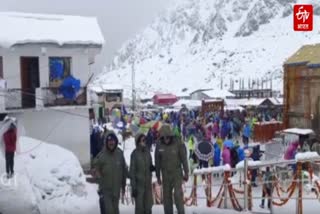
(306, 55)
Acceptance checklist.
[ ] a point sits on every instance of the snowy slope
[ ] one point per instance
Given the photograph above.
(197, 42)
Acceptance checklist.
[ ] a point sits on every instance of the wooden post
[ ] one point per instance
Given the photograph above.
(225, 190)
(195, 191)
(209, 191)
(299, 209)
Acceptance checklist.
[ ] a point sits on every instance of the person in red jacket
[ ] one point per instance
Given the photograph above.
(10, 141)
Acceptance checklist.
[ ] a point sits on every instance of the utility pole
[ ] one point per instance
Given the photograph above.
(133, 76)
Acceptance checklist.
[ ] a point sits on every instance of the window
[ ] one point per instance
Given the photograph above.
(113, 97)
(1, 67)
(60, 68)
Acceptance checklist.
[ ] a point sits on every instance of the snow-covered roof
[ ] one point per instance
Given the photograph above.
(182, 94)
(233, 108)
(276, 101)
(165, 96)
(25, 28)
(146, 95)
(212, 100)
(100, 88)
(299, 131)
(235, 102)
(307, 54)
(150, 103)
(188, 103)
(255, 101)
(218, 93)
(96, 89)
(111, 86)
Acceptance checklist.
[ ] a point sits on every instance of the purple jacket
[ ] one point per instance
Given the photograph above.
(215, 128)
(291, 151)
(226, 156)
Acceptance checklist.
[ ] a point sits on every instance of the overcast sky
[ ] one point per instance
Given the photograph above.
(119, 19)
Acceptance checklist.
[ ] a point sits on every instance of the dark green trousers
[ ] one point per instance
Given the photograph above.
(170, 184)
(143, 201)
(111, 204)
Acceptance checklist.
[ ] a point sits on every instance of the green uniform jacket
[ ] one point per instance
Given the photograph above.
(170, 159)
(140, 168)
(113, 170)
(141, 180)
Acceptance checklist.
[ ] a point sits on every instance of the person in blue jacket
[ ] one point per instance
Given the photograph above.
(246, 133)
(241, 154)
(217, 155)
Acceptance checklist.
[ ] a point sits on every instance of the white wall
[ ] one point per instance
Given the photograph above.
(52, 126)
(80, 61)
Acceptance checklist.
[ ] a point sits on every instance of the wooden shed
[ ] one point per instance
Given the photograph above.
(302, 89)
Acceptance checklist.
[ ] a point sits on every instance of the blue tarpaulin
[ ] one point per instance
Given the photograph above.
(56, 69)
(69, 88)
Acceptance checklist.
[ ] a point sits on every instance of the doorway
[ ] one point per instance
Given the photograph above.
(29, 80)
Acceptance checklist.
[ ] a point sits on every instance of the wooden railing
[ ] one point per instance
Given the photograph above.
(17, 98)
(52, 97)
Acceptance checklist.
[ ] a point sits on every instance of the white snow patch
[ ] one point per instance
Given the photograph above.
(299, 131)
(307, 156)
(23, 28)
(251, 163)
(212, 170)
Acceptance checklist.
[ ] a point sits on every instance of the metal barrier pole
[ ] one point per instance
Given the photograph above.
(245, 175)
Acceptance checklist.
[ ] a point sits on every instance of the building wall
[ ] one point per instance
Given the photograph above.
(301, 97)
(66, 130)
(80, 68)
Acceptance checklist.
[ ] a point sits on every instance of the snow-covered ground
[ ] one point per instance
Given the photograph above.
(50, 180)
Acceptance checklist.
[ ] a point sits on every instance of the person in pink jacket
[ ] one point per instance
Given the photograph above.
(209, 133)
(291, 151)
(215, 129)
(226, 156)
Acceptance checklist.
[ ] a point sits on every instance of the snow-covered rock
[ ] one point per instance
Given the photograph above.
(49, 179)
(195, 43)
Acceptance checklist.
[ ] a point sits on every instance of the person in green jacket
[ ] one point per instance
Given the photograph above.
(141, 176)
(170, 158)
(111, 171)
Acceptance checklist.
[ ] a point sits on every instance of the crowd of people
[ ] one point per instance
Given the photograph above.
(174, 139)
(170, 165)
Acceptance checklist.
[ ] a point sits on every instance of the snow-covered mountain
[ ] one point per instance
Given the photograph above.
(196, 43)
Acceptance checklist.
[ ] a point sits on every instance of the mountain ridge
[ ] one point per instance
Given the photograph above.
(196, 43)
